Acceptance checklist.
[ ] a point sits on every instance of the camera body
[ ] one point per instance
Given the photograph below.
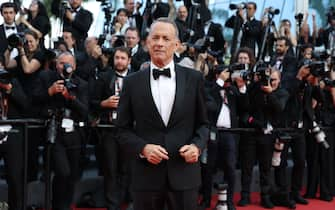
(273, 11)
(15, 40)
(67, 73)
(263, 74)
(242, 5)
(317, 68)
(65, 4)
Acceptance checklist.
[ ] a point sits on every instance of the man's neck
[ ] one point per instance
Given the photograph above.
(9, 24)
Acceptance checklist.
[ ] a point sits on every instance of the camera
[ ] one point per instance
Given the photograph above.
(299, 17)
(281, 139)
(263, 73)
(222, 196)
(120, 41)
(273, 11)
(15, 40)
(317, 68)
(237, 6)
(203, 44)
(107, 51)
(238, 67)
(328, 82)
(67, 72)
(319, 135)
(65, 4)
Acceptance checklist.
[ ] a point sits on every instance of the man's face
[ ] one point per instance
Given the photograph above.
(251, 10)
(162, 43)
(68, 39)
(275, 80)
(130, 5)
(308, 53)
(281, 47)
(8, 14)
(121, 61)
(182, 13)
(132, 38)
(243, 58)
(63, 59)
(75, 3)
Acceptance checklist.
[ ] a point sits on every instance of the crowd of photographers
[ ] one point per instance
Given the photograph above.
(275, 87)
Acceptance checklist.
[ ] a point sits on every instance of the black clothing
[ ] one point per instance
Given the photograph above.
(139, 58)
(3, 38)
(41, 23)
(183, 30)
(68, 145)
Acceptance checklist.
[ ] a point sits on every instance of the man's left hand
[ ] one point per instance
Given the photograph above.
(190, 153)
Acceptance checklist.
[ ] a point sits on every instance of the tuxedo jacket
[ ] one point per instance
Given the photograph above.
(215, 30)
(104, 87)
(140, 123)
(3, 39)
(237, 103)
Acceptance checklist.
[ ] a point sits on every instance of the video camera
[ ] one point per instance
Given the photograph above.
(242, 5)
(65, 5)
(263, 73)
(317, 68)
(273, 11)
(15, 40)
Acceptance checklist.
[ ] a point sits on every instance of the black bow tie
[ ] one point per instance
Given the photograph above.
(165, 72)
(9, 27)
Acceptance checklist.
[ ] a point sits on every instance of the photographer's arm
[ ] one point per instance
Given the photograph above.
(30, 27)
(31, 66)
(9, 63)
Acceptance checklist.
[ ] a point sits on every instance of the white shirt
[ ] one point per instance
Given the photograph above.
(163, 91)
(224, 116)
(9, 32)
(134, 50)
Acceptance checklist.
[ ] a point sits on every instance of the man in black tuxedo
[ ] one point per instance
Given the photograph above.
(135, 19)
(105, 101)
(247, 30)
(75, 17)
(8, 12)
(138, 55)
(181, 21)
(163, 126)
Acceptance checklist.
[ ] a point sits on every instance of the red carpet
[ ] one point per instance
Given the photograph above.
(314, 204)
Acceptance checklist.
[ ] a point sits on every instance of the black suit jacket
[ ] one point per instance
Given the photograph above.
(3, 39)
(237, 103)
(104, 87)
(215, 30)
(140, 123)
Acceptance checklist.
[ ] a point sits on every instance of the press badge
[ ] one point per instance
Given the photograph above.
(212, 136)
(68, 125)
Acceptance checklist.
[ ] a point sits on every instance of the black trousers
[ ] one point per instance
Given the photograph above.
(66, 156)
(12, 152)
(319, 165)
(115, 169)
(221, 154)
(298, 146)
(174, 200)
(258, 147)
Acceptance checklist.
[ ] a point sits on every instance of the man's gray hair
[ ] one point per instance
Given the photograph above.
(166, 20)
(66, 53)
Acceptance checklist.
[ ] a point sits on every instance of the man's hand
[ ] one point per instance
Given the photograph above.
(67, 95)
(56, 87)
(267, 89)
(68, 15)
(303, 72)
(155, 153)
(190, 153)
(111, 102)
(7, 87)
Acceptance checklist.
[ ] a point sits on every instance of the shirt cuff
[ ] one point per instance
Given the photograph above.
(243, 89)
(220, 82)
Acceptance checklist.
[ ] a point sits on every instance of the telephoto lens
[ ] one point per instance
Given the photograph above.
(222, 197)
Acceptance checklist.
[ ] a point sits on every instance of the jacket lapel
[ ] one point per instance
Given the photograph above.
(179, 95)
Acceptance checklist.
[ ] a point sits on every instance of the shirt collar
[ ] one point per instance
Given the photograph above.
(12, 25)
(123, 73)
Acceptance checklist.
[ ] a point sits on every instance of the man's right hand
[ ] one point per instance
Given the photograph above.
(56, 87)
(155, 153)
(111, 102)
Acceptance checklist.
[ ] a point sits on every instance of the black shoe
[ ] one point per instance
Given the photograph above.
(245, 200)
(284, 202)
(311, 196)
(327, 198)
(266, 202)
(298, 198)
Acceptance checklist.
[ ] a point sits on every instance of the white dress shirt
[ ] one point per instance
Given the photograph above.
(224, 115)
(163, 91)
(9, 32)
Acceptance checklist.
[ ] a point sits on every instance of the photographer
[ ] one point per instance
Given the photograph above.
(75, 17)
(267, 101)
(247, 30)
(327, 35)
(227, 101)
(120, 24)
(135, 19)
(65, 96)
(299, 114)
(14, 104)
(8, 12)
(105, 102)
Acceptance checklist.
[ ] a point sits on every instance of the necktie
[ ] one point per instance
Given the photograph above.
(9, 27)
(165, 72)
